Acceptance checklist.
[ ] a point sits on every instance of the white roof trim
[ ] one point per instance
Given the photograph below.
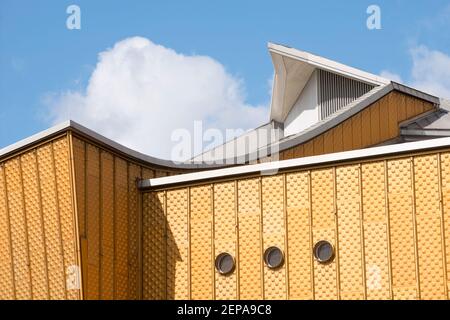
(327, 64)
(35, 138)
(78, 128)
(293, 69)
(271, 167)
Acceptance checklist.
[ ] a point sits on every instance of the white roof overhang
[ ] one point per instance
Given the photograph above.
(293, 68)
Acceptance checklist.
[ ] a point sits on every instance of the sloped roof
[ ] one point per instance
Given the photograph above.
(296, 163)
(294, 67)
(434, 124)
(98, 138)
(348, 111)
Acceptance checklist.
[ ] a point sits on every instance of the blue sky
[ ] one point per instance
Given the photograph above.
(41, 58)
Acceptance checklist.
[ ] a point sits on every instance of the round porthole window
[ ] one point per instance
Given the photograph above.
(225, 263)
(273, 257)
(324, 251)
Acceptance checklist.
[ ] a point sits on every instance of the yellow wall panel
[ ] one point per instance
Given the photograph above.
(338, 140)
(375, 123)
(428, 219)
(32, 201)
(250, 242)
(155, 247)
(324, 228)
(384, 118)
(66, 215)
(37, 233)
(400, 101)
(375, 220)
(19, 237)
(299, 238)
(445, 198)
(201, 250)
(347, 136)
(351, 246)
(134, 221)
(178, 271)
(107, 226)
(383, 217)
(275, 286)
(356, 131)
(403, 246)
(93, 222)
(225, 236)
(318, 145)
(121, 230)
(393, 117)
(79, 163)
(110, 220)
(52, 227)
(366, 133)
(6, 264)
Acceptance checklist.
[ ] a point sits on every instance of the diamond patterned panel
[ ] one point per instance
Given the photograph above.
(79, 163)
(250, 251)
(274, 234)
(107, 227)
(134, 173)
(35, 226)
(65, 206)
(350, 237)
(121, 233)
(93, 222)
(52, 227)
(6, 270)
(324, 228)
(177, 244)
(445, 176)
(375, 231)
(299, 236)
(18, 225)
(225, 236)
(154, 246)
(428, 215)
(201, 246)
(402, 229)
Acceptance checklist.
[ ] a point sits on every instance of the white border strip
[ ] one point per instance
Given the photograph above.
(64, 126)
(35, 138)
(295, 163)
(327, 64)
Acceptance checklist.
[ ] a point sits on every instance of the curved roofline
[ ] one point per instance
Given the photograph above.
(287, 142)
(270, 168)
(77, 128)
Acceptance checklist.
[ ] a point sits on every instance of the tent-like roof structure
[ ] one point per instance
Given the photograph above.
(293, 68)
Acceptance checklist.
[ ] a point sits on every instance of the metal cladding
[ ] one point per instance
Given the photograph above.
(70, 221)
(386, 218)
(37, 225)
(75, 225)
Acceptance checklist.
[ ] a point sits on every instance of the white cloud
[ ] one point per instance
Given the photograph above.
(140, 92)
(391, 76)
(430, 71)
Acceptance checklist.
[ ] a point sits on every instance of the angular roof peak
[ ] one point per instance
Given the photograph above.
(293, 69)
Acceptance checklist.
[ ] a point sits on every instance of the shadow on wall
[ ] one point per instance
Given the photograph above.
(164, 263)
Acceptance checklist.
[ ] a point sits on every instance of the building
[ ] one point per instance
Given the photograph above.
(354, 203)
